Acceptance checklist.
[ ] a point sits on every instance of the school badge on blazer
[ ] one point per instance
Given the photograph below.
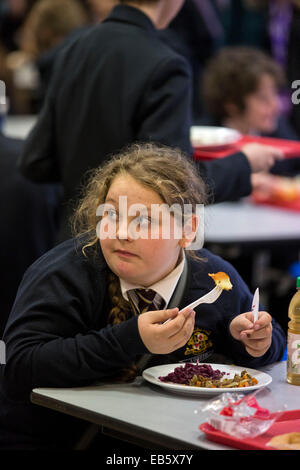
(199, 342)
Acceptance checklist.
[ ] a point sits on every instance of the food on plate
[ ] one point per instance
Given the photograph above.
(184, 374)
(203, 375)
(286, 189)
(239, 380)
(289, 441)
(222, 280)
(275, 188)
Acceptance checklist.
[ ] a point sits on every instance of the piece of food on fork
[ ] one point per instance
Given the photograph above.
(222, 280)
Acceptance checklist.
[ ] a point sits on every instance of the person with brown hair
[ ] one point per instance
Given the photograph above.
(111, 302)
(241, 90)
(47, 25)
(49, 22)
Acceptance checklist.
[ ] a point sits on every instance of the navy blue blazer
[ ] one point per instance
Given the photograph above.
(29, 222)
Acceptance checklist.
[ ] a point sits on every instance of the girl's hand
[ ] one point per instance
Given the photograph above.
(256, 337)
(165, 338)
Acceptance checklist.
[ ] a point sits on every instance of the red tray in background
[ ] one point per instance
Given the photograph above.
(288, 205)
(288, 422)
(290, 148)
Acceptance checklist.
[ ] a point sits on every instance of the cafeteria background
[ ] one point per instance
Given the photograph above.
(34, 35)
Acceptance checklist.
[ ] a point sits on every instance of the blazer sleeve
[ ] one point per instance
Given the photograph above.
(228, 178)
(37, 162)
(57, 335)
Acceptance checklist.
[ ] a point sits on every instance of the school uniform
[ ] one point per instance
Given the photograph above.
(57, 336)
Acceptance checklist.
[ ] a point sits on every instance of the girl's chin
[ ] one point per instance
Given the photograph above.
(133, 276)
(126, 271)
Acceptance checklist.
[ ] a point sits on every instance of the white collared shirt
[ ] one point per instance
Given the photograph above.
(165, 287)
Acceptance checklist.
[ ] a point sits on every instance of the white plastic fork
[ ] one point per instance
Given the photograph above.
(208, 298)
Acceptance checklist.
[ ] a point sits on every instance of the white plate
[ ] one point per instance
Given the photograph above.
(153, 373)
(211, 138)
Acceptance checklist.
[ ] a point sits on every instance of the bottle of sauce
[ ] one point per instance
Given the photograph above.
(293, 347)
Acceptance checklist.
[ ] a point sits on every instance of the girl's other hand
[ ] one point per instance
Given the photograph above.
(256, 337)
(164, 338)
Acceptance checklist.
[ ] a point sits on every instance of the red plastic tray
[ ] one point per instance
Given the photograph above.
(289, 421)
(291, 206)
(290, 148)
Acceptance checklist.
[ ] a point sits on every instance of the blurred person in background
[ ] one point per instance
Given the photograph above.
(12, 17)
(46, 26)
(241, 90)
(274, 27)
(29, 220)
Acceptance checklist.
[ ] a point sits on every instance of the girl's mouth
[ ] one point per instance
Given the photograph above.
(125, 254)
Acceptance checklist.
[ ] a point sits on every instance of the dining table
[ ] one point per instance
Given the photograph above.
(147, 414)
(19, 126)
(246, 223)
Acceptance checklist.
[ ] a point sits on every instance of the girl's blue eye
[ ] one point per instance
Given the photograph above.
(143, 220)
(111, 214)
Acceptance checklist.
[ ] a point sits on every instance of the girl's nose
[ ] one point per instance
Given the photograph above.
(122, 230)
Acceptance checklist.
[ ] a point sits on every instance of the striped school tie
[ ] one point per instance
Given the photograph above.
(144, 300)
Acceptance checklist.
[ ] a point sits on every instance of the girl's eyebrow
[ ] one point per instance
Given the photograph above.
(110, 200)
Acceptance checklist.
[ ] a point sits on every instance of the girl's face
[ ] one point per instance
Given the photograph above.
(133, 254)
(262, 107)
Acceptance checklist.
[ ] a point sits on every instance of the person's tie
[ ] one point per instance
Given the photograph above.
(144, 300)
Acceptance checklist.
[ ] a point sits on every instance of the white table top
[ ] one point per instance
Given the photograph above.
(245, 222)
(18, 126)
(147, 408)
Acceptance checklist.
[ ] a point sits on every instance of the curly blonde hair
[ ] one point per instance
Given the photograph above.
(165, 170)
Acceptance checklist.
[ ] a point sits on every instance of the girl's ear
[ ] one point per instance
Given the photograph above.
(189, 231)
